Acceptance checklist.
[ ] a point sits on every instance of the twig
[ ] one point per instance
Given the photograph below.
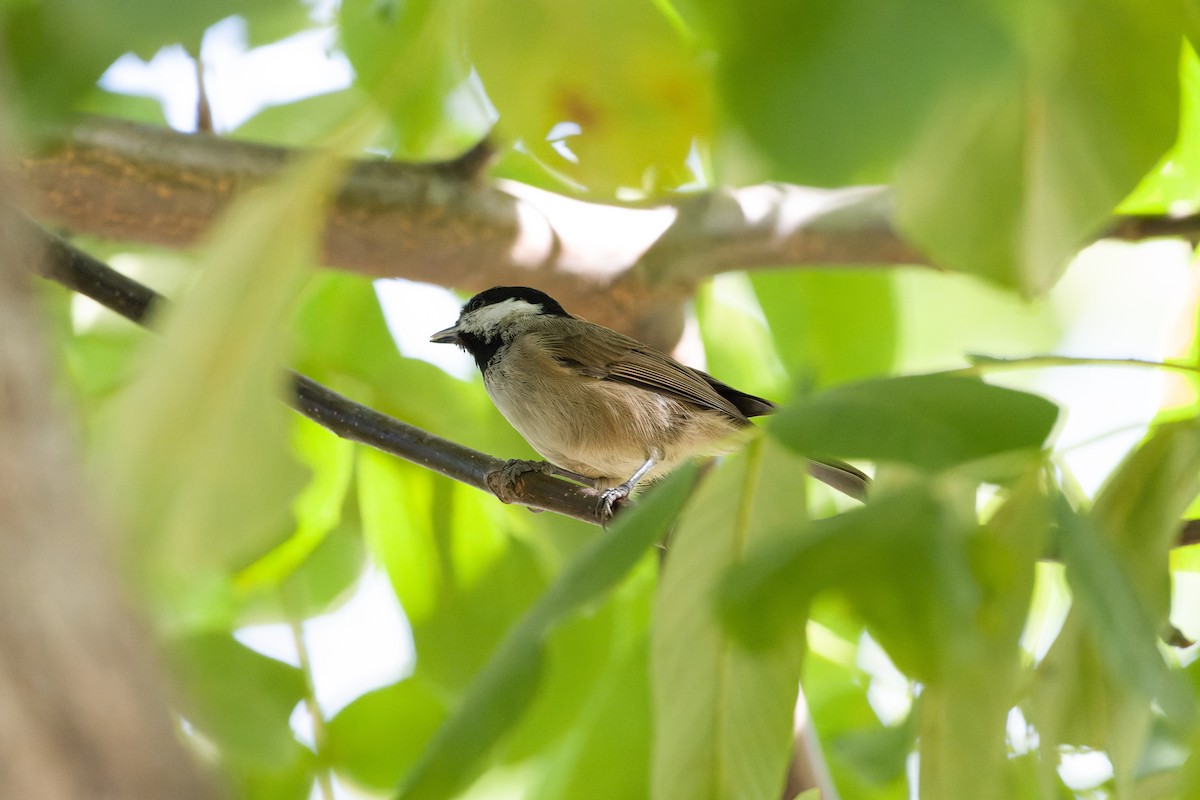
(89, 276)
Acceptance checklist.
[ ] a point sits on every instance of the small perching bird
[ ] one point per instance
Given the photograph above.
(601, 407)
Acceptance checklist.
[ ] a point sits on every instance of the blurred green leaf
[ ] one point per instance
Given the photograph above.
(930, 421)
(1019, 163)
(1175, 182)
(723, 715)
(294, 782)
(1008, 139)
(1140, 506)
(197, 458)
(56, 50)
(835, 690)
(946, 599)
(461, 575)
(318, 507)
(614, 728)
(620, 71)
(376, 739)
(409, 57)
(302, 123)
(919, 614)
(880, 754)
(579, 651)
(832, 93)
(503, 689)
(834, 327)
(737, 345)
(241, 700)
(138, 108)
(962, 718)
(1093, 690)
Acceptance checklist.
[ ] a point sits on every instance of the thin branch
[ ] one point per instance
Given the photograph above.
(320, 728)
(89, 276)
(983, 363)
(350, 420)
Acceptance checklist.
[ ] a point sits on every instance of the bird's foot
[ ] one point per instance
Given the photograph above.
(611, 500)
(508, 483)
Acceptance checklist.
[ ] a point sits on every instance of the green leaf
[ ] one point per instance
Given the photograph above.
(1009, 140)
(737, 345)
(830, 92)
(56, 50)
(879, 754)
(929, 421)
(409, 57)
(580, 651)
(920, 614)
(1141, 505)
(1018, 164)
(239, 699)
(723, 715)
(501, 692)
(613, 728)
(461, 575)
(619, 70)
(302, 123)
(376, 739)
(1175, 182)
(834, 327)
(1097, 683)
(1095, 687)
(196, 458)
(318, 507)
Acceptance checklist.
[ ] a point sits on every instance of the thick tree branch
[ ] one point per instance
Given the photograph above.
(442, 223)
(623, 266)
(89, 276)
(83, 707)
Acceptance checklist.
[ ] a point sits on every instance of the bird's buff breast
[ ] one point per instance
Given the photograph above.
(601, 429)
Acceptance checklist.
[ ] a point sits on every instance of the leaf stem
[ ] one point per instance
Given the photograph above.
(320, 733)
(982, 363)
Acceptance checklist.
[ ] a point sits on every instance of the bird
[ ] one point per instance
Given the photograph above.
(601, 407)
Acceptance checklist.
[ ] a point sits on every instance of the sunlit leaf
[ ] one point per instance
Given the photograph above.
(930, 421)
(636, 92)
(196, 457)
(832, 327)
(377, 738)
(723, 714)
(56, 50)
(461, 575)
(1009, 139)
(614, 727)
(503, 689)
(238, 698)
(1141, 505)
(318, 507)
(919, 613)
(1022, 161)
(1113, 637)
(409, 57)
(303, 122)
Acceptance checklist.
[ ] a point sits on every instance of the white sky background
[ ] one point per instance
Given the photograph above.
(1118, 300)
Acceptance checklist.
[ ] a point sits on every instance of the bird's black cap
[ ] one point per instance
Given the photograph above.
(499, 294)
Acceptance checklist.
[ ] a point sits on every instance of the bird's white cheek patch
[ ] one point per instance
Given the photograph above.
(488, 319)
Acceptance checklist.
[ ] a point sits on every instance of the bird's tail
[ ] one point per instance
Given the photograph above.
(841, 476)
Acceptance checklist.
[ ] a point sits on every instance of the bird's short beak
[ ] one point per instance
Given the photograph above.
(447, 336)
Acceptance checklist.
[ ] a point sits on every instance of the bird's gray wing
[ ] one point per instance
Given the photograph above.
(616, 357)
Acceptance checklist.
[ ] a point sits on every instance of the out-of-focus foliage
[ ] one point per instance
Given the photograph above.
(933, 642)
